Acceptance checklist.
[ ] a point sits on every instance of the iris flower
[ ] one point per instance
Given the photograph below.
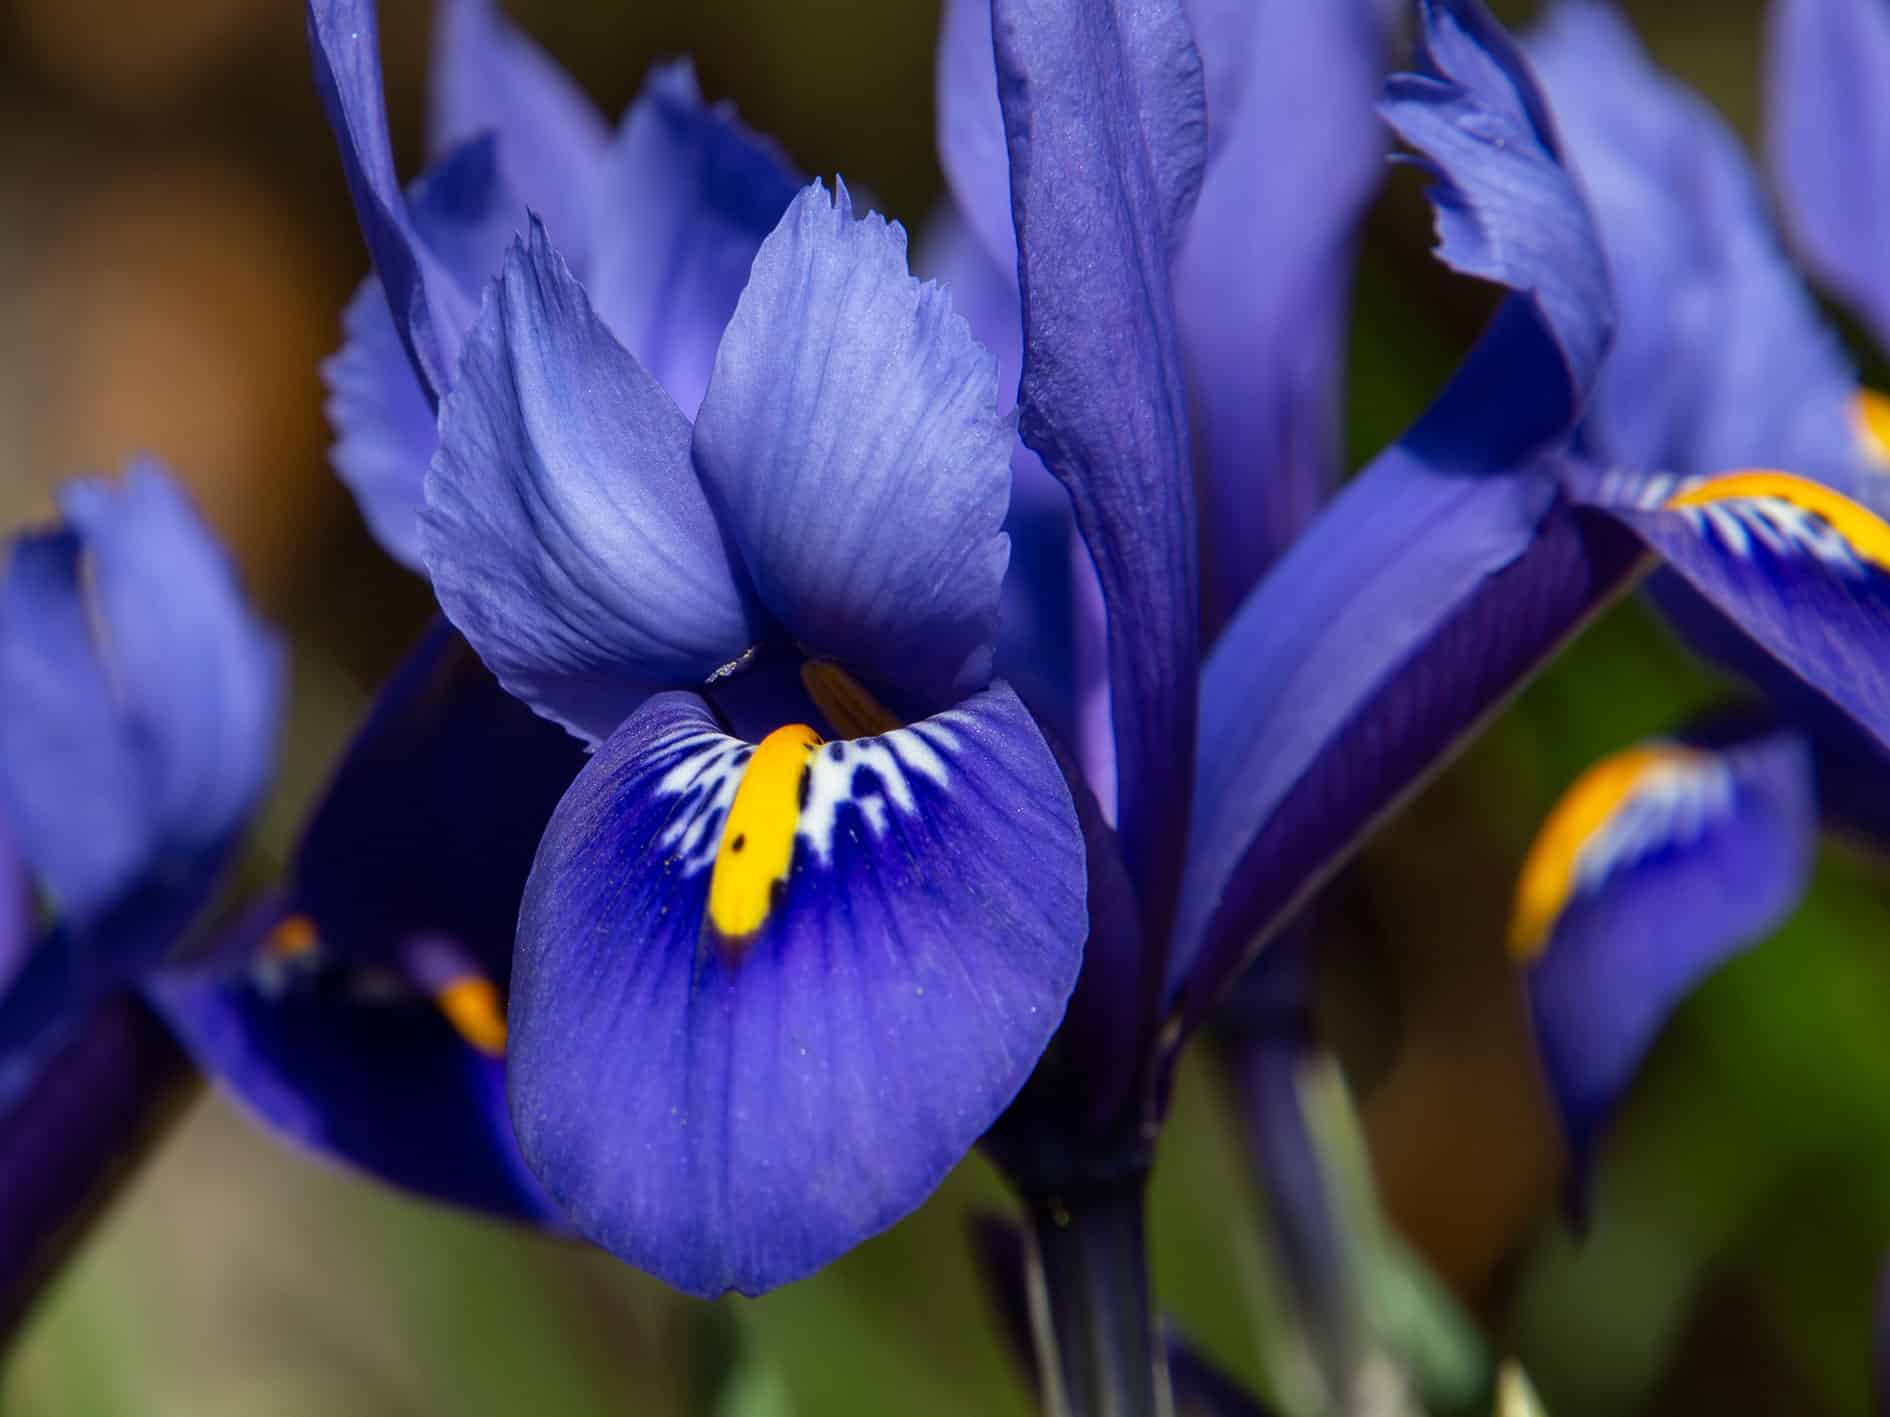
(767, 988)
(1419, 596)
(138, 738)
(359, 1009)
(1726, 430)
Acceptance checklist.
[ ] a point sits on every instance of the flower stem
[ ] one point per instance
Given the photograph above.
(75, 1138)
(1099, 1353)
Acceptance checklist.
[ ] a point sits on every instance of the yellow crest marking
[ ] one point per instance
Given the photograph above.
(1548, 873)
(757, 849)
(471, 1004)
(1861, 529)
(849, 707)
(1870, 415)
(294, 937)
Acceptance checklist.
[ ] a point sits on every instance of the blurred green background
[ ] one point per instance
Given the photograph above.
(176, 246)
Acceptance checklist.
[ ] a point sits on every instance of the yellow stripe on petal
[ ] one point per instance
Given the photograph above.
(472, 1005)
(1550, 870)
(1870, 413)
(757, 849)
(293, 938)
(1861, 530)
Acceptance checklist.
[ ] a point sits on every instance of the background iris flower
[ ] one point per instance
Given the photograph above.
(1722, 371)
(360, 1008)
(139, 736)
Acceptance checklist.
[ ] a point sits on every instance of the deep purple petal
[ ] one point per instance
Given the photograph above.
(383, 1084)
(1720, 359)
(1506, 206)
(851, 438)
(1105, 125)
(1263, 283)
(734, 1117)
(1801, 570)
(1657, 867)
(1828, 144)
(16, 906)
(488, 78)
(431, 311)
(1414, 606)
(565, 530)
(141, 695)
(687, 193)
(431, 822)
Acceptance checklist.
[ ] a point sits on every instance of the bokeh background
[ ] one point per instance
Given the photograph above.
(175, 248)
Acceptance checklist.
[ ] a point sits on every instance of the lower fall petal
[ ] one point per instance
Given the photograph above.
(1655, 868)
(1800, 569)
(730, 1103)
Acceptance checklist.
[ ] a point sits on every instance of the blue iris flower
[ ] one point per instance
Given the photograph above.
(1726, 431)
(359, 1010)
(767, 989)
(138, 739)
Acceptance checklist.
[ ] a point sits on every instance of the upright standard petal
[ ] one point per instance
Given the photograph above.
(1263, 283)
(686, 195)
(1799, 568)
(488, 78)
(1507, 211)
(431, 313)
(1721, 360)
(1104, 118)
(1447, 571)
(565, 530)
(1657, 866)
(1828, 142)
(141, 695)
(851, 437)
(765, 997)
(386, 429)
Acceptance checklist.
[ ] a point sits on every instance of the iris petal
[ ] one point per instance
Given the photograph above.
(1263, 299)
(488, 78)
(430, 311)
(1828, 142)
(1801, 570)
(1657, 867)
(1721, 359)
(565, 530)
(850, 435)
(385, 433)
(382, 1084)
(385, 425)
(1506, 207)
(734, 1119)
(432, 819)
(687, 194)
(1104, 116)
(141, 696)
